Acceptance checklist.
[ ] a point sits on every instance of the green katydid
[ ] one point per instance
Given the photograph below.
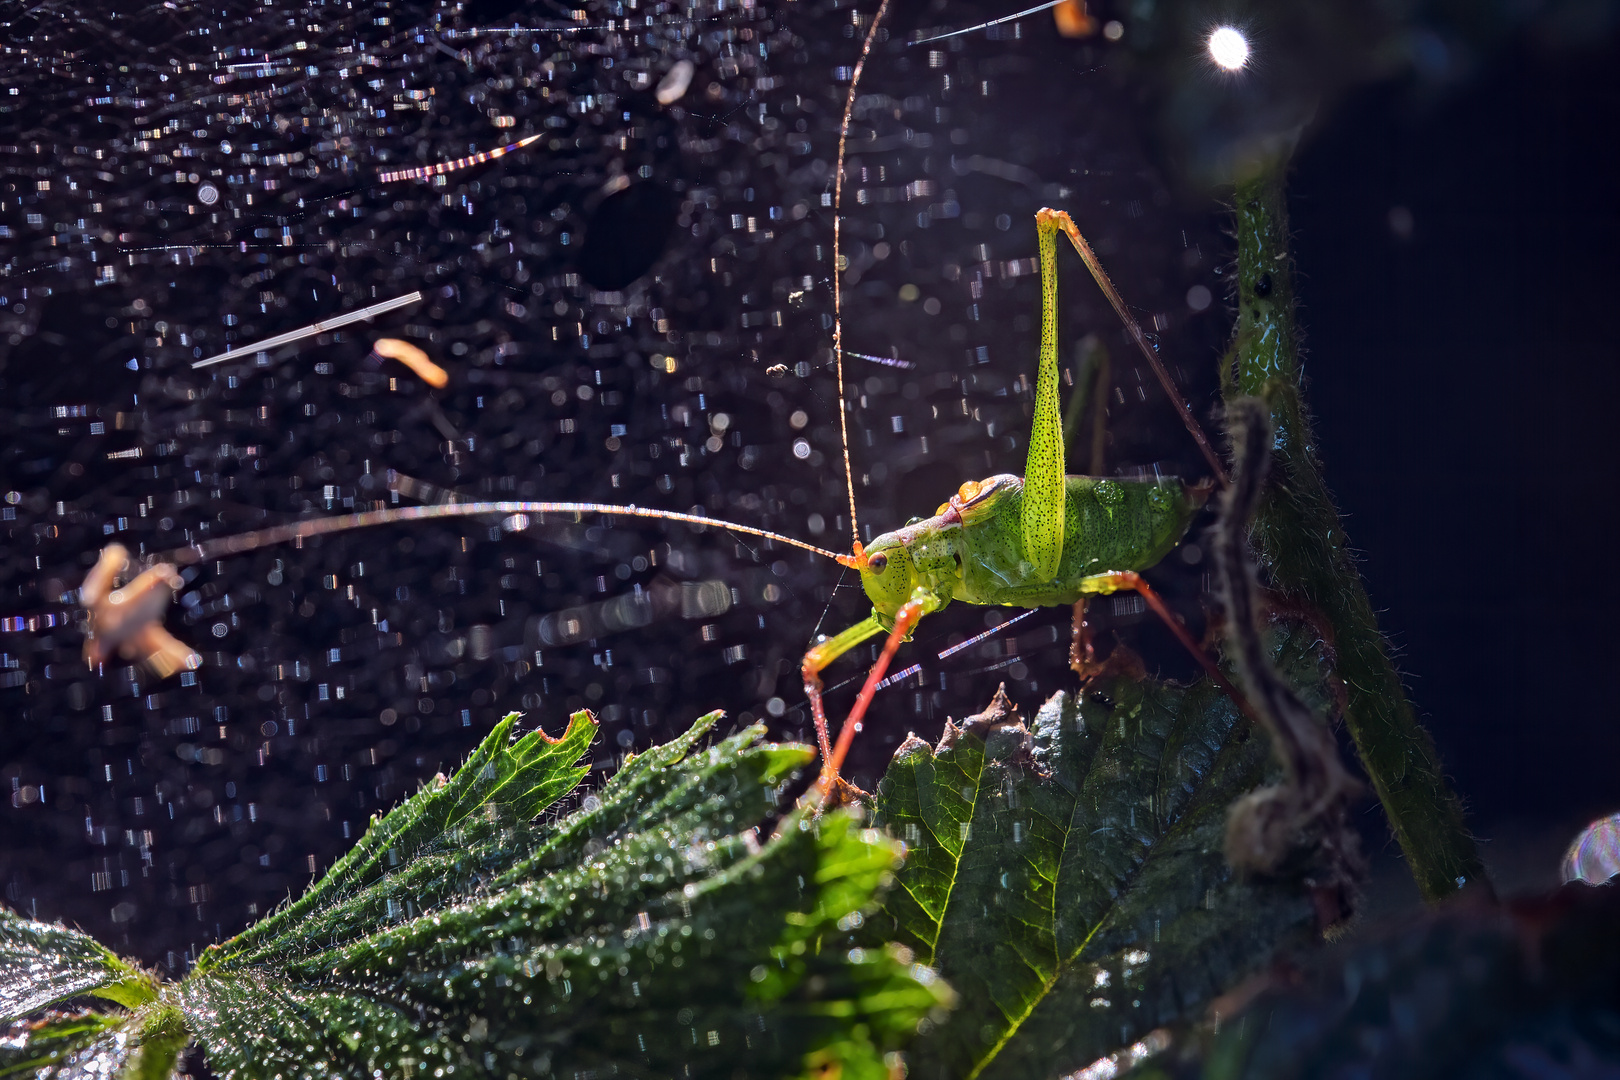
(1039, 540)
(1044, 539)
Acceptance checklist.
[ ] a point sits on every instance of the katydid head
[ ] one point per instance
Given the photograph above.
(887, 573)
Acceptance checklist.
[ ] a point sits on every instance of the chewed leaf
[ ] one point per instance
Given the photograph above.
(41, 964)
(650, 931)
(1069, 881)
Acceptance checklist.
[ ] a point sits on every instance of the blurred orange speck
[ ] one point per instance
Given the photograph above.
(1072, 20)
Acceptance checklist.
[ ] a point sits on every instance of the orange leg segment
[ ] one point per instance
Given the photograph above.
(825, 652)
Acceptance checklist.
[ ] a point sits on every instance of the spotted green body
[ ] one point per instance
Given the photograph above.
(1039, 540)
(1031, 541)
(974, 549)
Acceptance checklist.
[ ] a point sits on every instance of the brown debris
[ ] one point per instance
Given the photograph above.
(1000, 717)
(841, 794)
(129, 621)
(1121, 661)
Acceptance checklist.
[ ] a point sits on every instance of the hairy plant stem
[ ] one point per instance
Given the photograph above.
(1300, 541)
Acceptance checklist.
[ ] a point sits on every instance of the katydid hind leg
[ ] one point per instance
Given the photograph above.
(1092, 379)
(1130, 581)
(1100, 386)
(1045, 500)
(1059, 219)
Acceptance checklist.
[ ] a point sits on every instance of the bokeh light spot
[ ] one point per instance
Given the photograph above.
(1594, 857)
(1228, 48)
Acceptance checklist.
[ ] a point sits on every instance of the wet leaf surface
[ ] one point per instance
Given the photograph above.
(62, 1045)
(650, 930)
(1067, 878)
(41, 964)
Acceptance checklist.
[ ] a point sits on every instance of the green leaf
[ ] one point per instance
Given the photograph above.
(41, 964)
(261, 1024)
(516, 781)
(157, 1048)
(144, 1045)
(83, 1044)
(1069, 882)
(651, 931)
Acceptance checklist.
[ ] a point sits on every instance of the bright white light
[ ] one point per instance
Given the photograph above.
(1228, 48)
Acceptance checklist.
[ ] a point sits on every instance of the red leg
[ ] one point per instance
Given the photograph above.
(904, 620)
(1123, 580)
(819, 656)
(1083, 660)
(818, 711)
(1081, 653)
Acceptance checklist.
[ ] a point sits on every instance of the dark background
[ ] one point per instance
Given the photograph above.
(1459, 370)
(1464, 380)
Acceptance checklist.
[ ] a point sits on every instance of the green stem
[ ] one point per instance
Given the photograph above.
(1091, 385)
(1300, 540)
(160, 1038)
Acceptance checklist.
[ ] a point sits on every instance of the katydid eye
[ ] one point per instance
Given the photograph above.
(878, 563)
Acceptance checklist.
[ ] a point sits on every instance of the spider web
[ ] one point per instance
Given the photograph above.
(633, 308)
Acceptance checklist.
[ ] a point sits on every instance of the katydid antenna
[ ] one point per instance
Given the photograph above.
(300, 530)
(838, 270)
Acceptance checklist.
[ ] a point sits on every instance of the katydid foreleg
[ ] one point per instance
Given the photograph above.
(825, 652)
